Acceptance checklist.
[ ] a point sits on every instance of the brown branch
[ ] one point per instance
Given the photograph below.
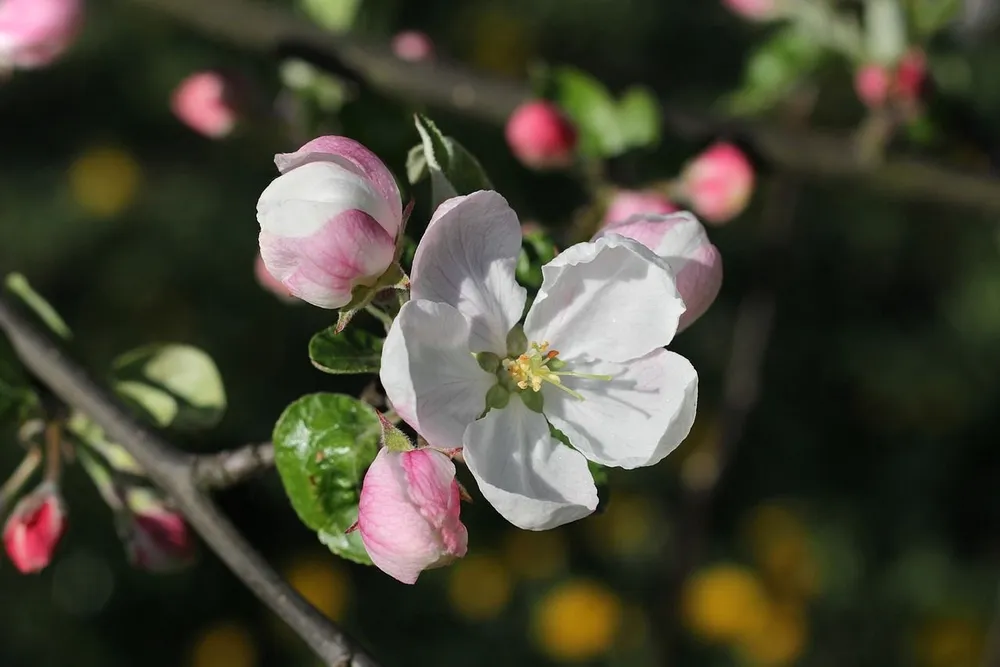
(217, 471)
(172, 471)
(810, 153)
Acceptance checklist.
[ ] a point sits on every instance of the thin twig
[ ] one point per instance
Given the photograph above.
(812, 153)
(172, 471)
(217, 471)
(750, 337)
(25, 469)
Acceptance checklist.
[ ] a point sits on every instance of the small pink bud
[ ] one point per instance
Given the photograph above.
(408, 513)
(34, 528)
(683, 243)
(329, 222)
(753, 10)
(413, 45)
(911, 73)
(157, 538)
(872, 83)
(540, 136)
(718, 183)
(205, 102)
(33, 33)
(269, 282)
(627, 203)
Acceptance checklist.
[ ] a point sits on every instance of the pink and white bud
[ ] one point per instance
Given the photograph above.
(627, 203)
(413, 45)
(205, 102)
(34, 529)
(872, 84)
(911, 74)
(718, 183)
(540, 136)
(269, 282)
(681, 240)
(33, 33)
(157, 538)
(408, 513)
(329, 223)
(754, 10)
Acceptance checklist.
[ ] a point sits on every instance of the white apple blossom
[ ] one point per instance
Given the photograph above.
(590, 361)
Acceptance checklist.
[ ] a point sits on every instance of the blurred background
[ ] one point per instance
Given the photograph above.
(856, 522)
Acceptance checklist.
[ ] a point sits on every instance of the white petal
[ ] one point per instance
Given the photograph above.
(612, 299)
(633, 420)
(533, 480)
(467, 259)
(299, 202)
(429, 374)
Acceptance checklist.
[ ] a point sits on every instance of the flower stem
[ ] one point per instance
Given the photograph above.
(382, 317)
(23, 472)
(53, 451)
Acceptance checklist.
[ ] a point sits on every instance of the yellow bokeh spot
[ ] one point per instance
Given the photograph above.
(782, 547)
(534, 554)
(479, 587)
(779, 640)
(225, 644)
(724, 603)
(951, 642)
(628, 527)
(104, 181)
(323, 582)
(578, 620)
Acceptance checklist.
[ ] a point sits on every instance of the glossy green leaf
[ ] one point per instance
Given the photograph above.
(324, 443)
(178, 385)
(347, 352)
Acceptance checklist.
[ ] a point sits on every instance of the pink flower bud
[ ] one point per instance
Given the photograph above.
(329, 222)
(911, 73)
(204, 102)
(683, 243)
(872, 83)
(413, 45)
(269, 282)
(157, 538)
(408, 513)
(33, 33)
(540, 135)
(718, 183)
(627, 203)
(753, 10)
(34, 528)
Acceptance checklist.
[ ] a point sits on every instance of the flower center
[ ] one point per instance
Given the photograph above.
(538, 364)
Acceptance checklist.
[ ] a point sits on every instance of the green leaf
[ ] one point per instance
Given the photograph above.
(323, 444)
(640, 118)
(351, 351)
(537, 249)
(178, 385)
(336, 15)
(416, 165)
(930, 16)
(18, 285)
(885, 31)
(774, 70)
(453, 169)
(92, 435)
(591, 108)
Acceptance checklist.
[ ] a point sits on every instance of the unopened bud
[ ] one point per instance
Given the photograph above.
(871, 84)
(413, 45)
(34, 529)
(33, 33)
(718, 183)
(756, 10)
(540, 136)
(156, 537)
(627, 203)
(206, 102)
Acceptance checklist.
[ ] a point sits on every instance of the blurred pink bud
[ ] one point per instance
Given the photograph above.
(627, 203)
(754, 10)
(269, 282)
(33, 33)
(540, 135)
(872, 83)
(204, 102)
(683, 243)
(34, 528)
(408, 513)
(718, 183)
(911, 72)
(329, 222)
(413, 45)
(158, 538)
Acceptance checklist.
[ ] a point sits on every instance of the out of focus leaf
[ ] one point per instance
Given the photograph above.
(930, 16)
(324, 443)
(453, 169)
(640, 118)
(334, 15)
(774, 70)
(350, 351)
(591, 108)
(885, 31)
(178, 385)
(17, 284)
